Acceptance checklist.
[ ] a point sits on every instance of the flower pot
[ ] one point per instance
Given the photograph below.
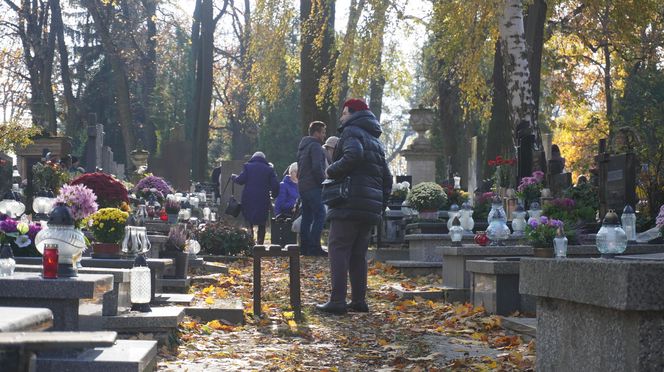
(428, 215)
(172, 218)
(106, 250)
(543, 252)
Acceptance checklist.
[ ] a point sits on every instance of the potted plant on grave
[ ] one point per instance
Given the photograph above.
(586, 199)
(540, 234)
(172, 208)
(454, 196)
(427, 198)
(222, 239)
(108, 228)
(20, 235)
(111, 193)
(175, 248)
(152, 185)
(530, 189)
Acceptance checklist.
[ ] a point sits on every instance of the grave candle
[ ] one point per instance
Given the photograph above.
(50, 261)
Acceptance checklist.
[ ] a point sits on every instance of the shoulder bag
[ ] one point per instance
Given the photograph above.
(233, 207)
(336, 192)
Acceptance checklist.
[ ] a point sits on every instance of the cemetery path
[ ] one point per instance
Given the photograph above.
(396, 335)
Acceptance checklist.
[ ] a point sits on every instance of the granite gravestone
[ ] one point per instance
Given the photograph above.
(5, 173)
(617, 179)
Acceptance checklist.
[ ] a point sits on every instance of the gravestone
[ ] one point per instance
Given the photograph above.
(5, 173)
(31, 154)
(472, 169)
(420, 155)
(617, 179)
(174, 164)
(229, 167)
(92, 154)
(596, 314)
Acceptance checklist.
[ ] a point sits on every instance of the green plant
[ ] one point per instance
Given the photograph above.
(585, 195)
(48, 176)
(427, 196)
(107, 225)
(219, 238)
(454, 196)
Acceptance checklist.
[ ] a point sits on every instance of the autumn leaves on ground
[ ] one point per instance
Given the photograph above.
(395, 335)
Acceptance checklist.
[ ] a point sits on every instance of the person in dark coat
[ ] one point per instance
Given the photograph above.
(284, 204)
(359, 154)
(310, 175)
(215, 177)
(260, 180)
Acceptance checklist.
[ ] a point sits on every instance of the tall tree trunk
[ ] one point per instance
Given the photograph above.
(342, 67)
(451, 125)
(534, 29)
(38, 42)
(119, 76)
(150, 74)
(517, 71)
(73, 123)
(243, 128)
(191, 88)
(317, 37)
(499, 138)
(377, 84)
(46, 81)
(204, 84)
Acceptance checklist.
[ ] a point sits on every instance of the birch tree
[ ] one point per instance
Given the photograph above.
(517, 72)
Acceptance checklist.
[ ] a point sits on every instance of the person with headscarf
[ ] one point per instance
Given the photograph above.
(259, 182)
(284, 204)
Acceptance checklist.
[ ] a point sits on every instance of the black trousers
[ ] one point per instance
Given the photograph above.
(260, 239)
(347, 249)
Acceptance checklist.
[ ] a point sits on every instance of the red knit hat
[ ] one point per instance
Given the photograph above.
(355, 105)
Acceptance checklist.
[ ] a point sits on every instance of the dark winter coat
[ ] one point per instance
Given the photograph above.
(310, 164)
(259, 180)
(287, 197)
(359, 154)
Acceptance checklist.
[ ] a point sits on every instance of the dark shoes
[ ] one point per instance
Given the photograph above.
(358, 307)
(332, 308)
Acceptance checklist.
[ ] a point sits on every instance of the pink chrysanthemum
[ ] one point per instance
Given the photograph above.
(81, 200)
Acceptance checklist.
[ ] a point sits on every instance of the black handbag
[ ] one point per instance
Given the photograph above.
(233, 208)
(336, 192)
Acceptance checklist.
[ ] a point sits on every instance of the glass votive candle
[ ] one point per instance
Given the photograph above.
(50, 261)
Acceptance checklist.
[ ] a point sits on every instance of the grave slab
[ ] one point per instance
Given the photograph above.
(160, 324)
(167, 299)
(113, 300)
(215, 268)
(434, 293)
(416, 268)
(229, 310)
(525, 327)
(60, 295)
(615, 306)
(27, 319)
(388, 254)
(124, 356)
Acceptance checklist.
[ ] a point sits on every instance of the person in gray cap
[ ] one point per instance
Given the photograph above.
(329, 146)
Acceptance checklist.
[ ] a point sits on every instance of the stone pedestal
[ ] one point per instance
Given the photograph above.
(597, 315)
(421, 164)
(495, 285)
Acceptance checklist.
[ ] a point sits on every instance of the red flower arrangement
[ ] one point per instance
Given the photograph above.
(110, 192)
(500, 161)
(502, 174)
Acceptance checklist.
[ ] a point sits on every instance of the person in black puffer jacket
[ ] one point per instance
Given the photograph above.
(359, 154)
